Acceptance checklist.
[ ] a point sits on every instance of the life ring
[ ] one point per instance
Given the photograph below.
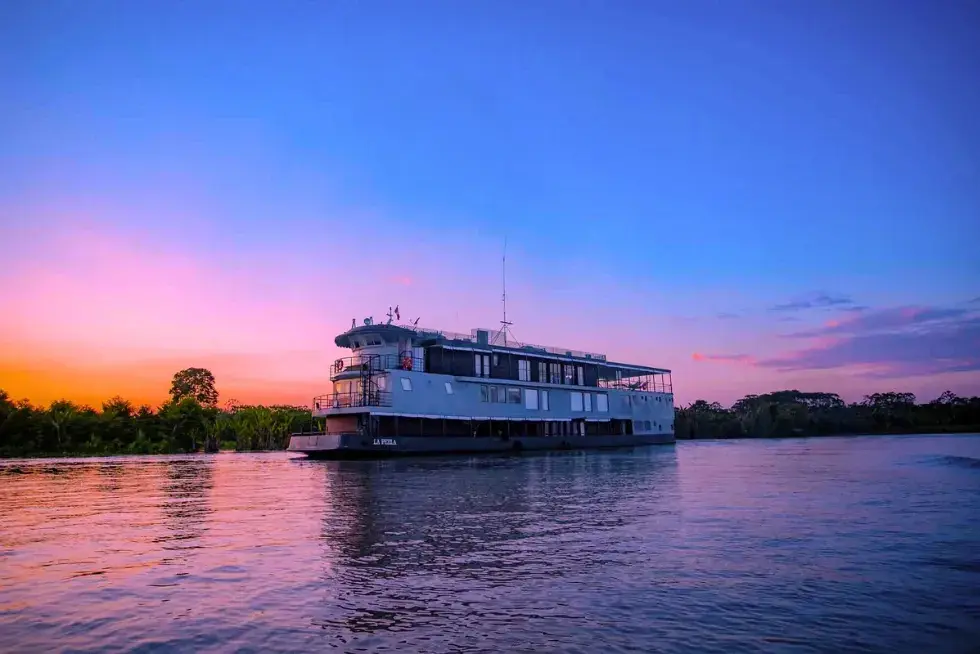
(407, 363)
(338, 365)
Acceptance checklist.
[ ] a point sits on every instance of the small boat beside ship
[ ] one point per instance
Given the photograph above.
(407, 390)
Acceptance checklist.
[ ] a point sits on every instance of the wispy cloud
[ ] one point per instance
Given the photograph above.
(815, 301)
(722, 358)
(895, 318)
(884, 343)
(894, 342)
(724, 315)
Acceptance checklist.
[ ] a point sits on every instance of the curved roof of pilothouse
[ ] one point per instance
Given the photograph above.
(482, 339)
(390, 333)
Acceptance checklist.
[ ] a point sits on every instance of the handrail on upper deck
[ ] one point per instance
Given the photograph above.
(377, 363)
(471, 338)
(352, 399)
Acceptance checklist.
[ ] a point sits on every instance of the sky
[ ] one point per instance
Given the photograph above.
(756, 195)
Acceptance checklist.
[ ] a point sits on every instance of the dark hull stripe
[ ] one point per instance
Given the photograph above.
(340, 446)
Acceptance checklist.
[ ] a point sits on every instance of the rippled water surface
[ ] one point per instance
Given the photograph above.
(833, 545)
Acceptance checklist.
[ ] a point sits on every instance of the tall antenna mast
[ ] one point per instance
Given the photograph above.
(504, 324)
(504, 270)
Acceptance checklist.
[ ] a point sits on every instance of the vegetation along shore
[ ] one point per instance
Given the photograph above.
(192, 421)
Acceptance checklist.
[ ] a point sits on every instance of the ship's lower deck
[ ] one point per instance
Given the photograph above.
(341, 446)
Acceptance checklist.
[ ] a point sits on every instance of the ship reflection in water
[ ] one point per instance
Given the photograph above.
(794, 545)
(444, 543)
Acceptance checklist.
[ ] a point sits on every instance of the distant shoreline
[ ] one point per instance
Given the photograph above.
(955, 431)
(949, 430)
(192, 422)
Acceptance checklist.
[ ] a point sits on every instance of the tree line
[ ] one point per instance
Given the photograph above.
(793, 413)
(189, 421)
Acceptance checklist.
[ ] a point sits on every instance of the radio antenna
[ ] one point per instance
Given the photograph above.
(504, 324)
(503, 267)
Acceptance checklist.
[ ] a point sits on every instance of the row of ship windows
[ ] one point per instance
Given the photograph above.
(535, 399)
(631, 399)
(554, 373)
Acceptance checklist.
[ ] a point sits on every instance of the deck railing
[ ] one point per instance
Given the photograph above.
(373, 363)
(353, 399)
(645, 384)
(491, 333)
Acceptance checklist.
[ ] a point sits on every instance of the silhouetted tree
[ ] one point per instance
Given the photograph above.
(197, 383)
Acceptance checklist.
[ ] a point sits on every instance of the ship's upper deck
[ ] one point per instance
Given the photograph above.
(371, 335)
(497, 339)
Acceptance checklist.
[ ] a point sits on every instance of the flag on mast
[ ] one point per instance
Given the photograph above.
(398, 316)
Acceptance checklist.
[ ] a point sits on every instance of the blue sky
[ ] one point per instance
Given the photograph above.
(657, 162)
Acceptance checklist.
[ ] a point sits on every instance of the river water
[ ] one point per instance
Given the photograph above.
(809, 545)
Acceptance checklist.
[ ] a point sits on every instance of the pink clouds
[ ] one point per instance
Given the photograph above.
(928, 344)
(723, 358)
(888, 319)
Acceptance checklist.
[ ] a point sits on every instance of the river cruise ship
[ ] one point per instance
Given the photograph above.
(406, 390)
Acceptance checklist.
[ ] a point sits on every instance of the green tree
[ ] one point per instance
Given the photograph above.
(197, 383)
(187, 422)
(60, 414)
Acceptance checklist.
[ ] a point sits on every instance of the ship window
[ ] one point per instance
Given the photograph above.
(602, 402)
(382, 383)
(544, 401)
(530, 398)
(588, 400)
(484, 393)
(496, 360)
(449, 388)
(569, 373)
(406, 384)
(555, 372)
(482, 365)
(524, 370)
(581, 376)
(513, 396)
(576, 401)
(542, 372)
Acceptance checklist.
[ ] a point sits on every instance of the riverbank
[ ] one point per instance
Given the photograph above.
(942, 430)
(185, 424)
(179, 426)
(966, 430)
